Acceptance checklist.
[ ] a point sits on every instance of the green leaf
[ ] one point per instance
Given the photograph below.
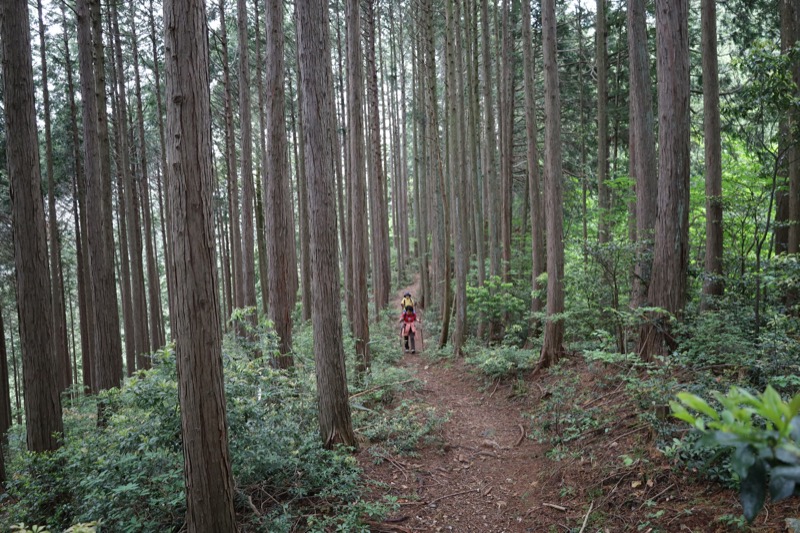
(680, 412)
(752, 491)
(698, 404)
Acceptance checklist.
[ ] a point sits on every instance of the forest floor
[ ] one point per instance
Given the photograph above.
(482, 471)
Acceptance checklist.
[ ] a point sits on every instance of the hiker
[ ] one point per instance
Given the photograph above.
(409, 320)
(406, 302)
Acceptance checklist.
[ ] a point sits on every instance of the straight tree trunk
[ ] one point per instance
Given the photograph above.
(534, 179)
(643, 150)
(552, 348)
(791, 14)
(166, 209)
(261, 192)
(131, 198)
(126, 294)
(5, 393)
(107, 368)
(315, 74)
(713, 284)
(56, 283)
(603, 196)
(276, 178)
(248, 188)
(475, 183)
(230, 165)
(379, 217)
(156, 324)
(355, 95)
(507, 139)
(302, 206)
(671, 254)
(343, 186)
(489, 145)
(85, 302)
(42, 401)
(207, 467)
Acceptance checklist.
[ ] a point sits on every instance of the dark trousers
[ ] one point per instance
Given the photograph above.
(410, 340)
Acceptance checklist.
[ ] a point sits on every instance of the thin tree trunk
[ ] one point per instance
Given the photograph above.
(552, 347)
(248, 188)
(81, 228)
(489, 144)
(156, 324)
(355, 95)
(56, 283)
(343, 185)
(207, 467)
(125, 281)
(534, 179)
(315, 74)
(302, 208)
(603, 197)
(713, 284)
(107, 363)
(379, 220)
(507, 139)
(261, 192)
(42, 401)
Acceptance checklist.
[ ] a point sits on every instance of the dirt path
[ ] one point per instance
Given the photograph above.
(481, 476)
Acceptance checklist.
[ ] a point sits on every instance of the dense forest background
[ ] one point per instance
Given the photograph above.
(618, 181)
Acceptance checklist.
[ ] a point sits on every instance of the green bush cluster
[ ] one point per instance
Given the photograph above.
(129, 474)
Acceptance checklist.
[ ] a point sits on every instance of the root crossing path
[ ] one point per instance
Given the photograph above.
(480, 472)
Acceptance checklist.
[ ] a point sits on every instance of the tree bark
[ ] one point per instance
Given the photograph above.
(355, 95)
(207, 470)
(56, 281)
(603, 197)
(280, 237)
(713, 283)
(552, 348)
(156, 324)
(248, 187)
(791, 13)
(489, 144)
(261, 192)
(534, 179)
(302, 204)
(379, 217)
(42, 401)
(315, 74)
(507, 139)
(5, 393)
(643, 149)
(671, 253)
(107, 364)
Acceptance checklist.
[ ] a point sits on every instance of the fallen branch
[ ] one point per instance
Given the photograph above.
(554, 506)
(379, 387)
(521, 435)
(586, 518)
(593, 400)
(451, 495)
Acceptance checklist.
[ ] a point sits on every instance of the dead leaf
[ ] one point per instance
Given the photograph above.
(635, 484)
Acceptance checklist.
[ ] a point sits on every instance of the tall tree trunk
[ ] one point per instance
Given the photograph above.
(276, 178)
(56, 283)
(128, 326)
(166, 210)
(473, 140)
(355, 95)
(343, 186)
(85, 302)
(302, 205)
(671, 253)
(790, 14)
(379, 218)
(207, 467)
(5, 393)
(42, 401)
(489, 144)
(603, 195)
(131, 198)
(315, 74)
(230, 165)
(107, 364)
(534, 179)
(713, 284)
(261, 192)
(421, 177)
(552, 347)
(156, 324)
(507, 139)
(248, 188)
(643, 150)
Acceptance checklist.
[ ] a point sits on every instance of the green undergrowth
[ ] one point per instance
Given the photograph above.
(129, 475)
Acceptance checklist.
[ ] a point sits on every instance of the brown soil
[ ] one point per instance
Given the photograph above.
(484, 473)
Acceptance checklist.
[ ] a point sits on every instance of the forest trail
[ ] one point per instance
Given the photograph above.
(481, 474)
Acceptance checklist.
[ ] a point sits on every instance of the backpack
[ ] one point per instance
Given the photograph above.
(407, 300)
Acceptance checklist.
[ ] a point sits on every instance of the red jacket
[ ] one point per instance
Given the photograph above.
(409, 323)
